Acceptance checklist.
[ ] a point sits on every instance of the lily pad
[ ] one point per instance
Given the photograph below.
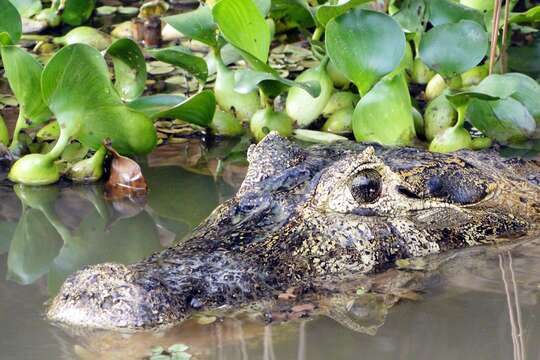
(454, 48)
(365, 46)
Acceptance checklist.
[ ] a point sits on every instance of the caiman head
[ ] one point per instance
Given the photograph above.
(306, 213)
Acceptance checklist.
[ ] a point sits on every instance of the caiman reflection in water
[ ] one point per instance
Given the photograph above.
(303, 215)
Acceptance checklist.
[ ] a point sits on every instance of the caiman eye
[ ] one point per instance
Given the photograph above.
(366, 186)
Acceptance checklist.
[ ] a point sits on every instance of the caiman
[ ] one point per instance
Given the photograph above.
(307, 213)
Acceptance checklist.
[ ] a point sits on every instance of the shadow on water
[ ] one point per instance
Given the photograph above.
(480, 303)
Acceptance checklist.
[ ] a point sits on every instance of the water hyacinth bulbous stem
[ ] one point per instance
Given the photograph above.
(300, 105)
(267, 120)
(88, 170)
(243, 106)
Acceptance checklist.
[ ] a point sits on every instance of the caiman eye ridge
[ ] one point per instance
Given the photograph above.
(366, 187)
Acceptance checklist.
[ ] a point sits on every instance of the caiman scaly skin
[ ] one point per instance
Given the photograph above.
(306, 213)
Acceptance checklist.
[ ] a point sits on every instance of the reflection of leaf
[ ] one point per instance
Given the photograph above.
(127, 241)
(191, 205)
(7, 229)
(34, 246)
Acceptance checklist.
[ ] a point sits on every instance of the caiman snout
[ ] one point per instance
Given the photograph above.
(111, 296)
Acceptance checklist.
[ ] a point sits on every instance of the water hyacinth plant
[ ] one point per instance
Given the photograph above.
(412, 71)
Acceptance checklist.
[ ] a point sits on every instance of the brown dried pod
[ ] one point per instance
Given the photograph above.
(126, 178)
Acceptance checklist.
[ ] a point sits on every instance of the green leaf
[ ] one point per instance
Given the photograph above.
(448, 11)
(76, 86)
(515, 85)
(529, 16)
(248, 80)
(524, 59)
(293, 11)
(198, 25)
(178, 348)
(243, 26)
(264, 6)
(198, 109)
(325, 13)
(462, 98)
(386, 122)
(365, 45)
(24, 74)
(129, 68)
(34, 246)
(505, 120)
(27, 8)
(76, 12)
(452, 49)
(10, 24)
(184, 58)
(412, 15)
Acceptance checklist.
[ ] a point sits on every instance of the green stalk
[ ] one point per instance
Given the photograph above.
(462, 110)
(19, 125)
(317, 34)
(60, 145)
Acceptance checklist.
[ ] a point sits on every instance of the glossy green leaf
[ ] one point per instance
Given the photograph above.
(448, 11)
(24, 73)
(412, 15)
(129, 68)
(27, 8)
(76, 12)
(248, 80)
(326, 12)
(243, 26)
(387, 122)
(462, 98)
(529, 16)
(198, 25)
(515, 85)
(264, 6)
(365, 46)
(76, 86)
(293, 11)
(505, 120)
(10, 24)
(452, 49)
(184, 58)
(198, 109)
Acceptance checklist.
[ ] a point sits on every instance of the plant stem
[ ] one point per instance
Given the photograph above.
(34, 37)
(462, 110)
(60, 145)
(19, 125)
(317, 34)
(504, 36)
(494, 33)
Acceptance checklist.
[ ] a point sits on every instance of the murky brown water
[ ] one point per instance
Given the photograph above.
(479, 304)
